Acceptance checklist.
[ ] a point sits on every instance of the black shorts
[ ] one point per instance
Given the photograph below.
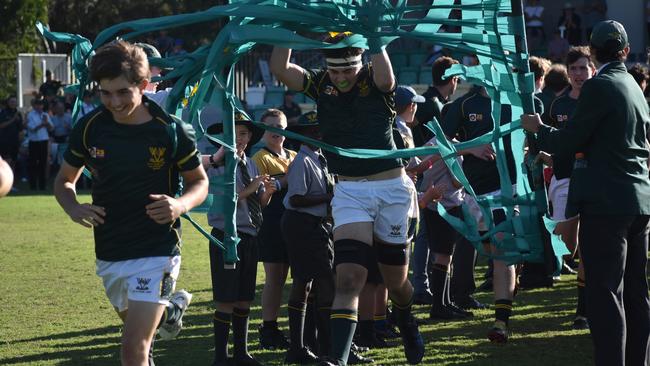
(499, 216)
(441, 236)
(309, 245)
(231, 285)
(273, 248)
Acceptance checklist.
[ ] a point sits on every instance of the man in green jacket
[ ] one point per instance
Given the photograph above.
(610, 190)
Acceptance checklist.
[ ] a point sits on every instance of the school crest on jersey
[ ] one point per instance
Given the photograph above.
(475, 117)
(330, 90)
(364, 89)
(96, 153)
(157, 158)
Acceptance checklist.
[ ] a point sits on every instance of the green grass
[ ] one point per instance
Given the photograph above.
(53, 310)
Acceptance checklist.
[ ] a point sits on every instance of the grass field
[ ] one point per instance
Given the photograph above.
(54, 312)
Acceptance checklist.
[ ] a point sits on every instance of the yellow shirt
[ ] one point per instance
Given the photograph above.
(272, 164)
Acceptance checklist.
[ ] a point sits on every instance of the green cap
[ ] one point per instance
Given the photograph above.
(609, 33)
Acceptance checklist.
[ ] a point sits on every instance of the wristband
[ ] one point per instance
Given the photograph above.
(375, 46)
(278, 185)
(212, 162)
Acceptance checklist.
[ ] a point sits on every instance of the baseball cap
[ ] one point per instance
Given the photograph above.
(610, 33)
(406, 95)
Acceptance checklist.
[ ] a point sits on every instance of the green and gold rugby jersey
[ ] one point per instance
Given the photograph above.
(467, 118)
(128, 163)
(360, 118)
(559, 116)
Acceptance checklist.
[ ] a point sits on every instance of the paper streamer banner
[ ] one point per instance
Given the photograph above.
(493, 30)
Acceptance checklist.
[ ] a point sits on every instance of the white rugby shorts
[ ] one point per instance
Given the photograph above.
(150, 279)
(558, 194)
(389, 204)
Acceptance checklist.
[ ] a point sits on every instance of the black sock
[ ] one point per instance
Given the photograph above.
(437, 279)
(581, 309)
(324, 333)
(297, 311)
(367, 329)
(240, 332)
(343, 323)
(270, 324)
(402, 312)
(503, 310)
(309, 330)
(381, 324)
(221, 323)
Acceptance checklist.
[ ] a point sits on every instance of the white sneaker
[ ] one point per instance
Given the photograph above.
(169, 331)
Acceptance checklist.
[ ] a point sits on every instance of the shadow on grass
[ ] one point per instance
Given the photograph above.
(540, 325)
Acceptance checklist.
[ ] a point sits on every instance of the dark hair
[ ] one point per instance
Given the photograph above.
(438, 70)
(340, 52)
(117, 59)
(575, 53)
(556, 78)
(539, 66)
(639, 73)
(608, 52)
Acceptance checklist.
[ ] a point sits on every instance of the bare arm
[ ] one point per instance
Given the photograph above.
(288, 73)
(65, 193)
(252, 187)
(6, 178)
(382, 71)
(196, 191)
(269, 189)
(216, 157)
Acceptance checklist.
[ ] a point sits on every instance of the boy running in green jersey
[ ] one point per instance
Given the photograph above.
(137, 154)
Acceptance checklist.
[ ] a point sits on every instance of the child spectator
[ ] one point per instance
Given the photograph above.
(274, 160)
(233, 289)
(306, 228)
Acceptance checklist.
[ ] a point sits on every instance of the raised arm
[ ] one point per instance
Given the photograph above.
(288, 73)
(382, 70)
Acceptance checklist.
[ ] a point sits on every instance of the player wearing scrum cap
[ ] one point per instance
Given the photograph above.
(373, 199)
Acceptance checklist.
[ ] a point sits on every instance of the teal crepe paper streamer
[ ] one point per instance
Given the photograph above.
(486, 32)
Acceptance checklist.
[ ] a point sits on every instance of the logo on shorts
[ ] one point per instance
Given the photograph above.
(475, 117)
(396, 230)
(143, 284)
(157, 159)
(562, 117)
